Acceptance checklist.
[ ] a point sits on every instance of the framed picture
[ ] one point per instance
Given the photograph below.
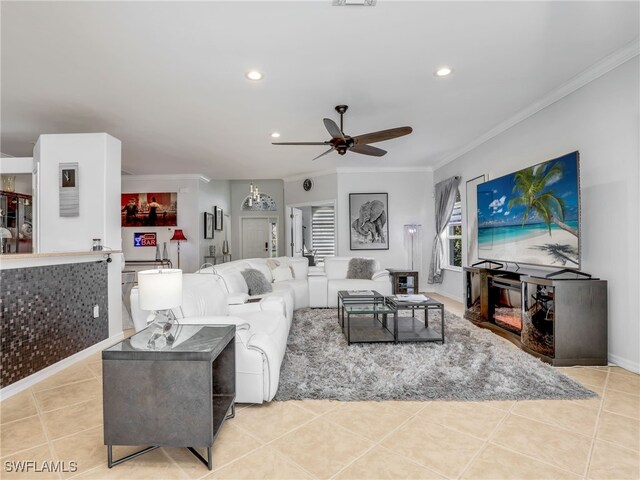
(208, 225)
(69, 191)
(219, 216)
(68, 177)
(369, 221)
(149, 209)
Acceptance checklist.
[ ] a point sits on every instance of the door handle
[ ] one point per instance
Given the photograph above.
(266, 246)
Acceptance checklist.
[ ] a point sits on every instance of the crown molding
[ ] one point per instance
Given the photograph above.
(592, 73)
(169, 176)
(302, 176)
(384, 169)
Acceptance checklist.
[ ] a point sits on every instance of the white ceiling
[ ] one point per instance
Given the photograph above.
(167, 78)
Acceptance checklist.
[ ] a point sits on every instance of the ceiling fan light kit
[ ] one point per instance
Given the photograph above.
(342, 143)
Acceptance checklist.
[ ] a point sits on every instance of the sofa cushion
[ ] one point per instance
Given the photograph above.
(234, 281)
(361, 268)
(282, 273)
(299, 265)
(336, 267)
(256, 281)
(260, 264)
(202, 295)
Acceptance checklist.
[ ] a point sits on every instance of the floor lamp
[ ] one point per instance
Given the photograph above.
(178, 236)
(412, 231)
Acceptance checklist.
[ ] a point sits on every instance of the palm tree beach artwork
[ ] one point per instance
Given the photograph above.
(532, 216)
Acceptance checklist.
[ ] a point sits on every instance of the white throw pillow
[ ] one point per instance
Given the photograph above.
(282, 273)
(234, 281)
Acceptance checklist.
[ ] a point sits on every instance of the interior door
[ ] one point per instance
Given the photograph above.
(255, 237)
(296, 232)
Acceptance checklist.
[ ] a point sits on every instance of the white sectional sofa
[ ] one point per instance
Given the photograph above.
(219, 295)
(325, 285)
(261, 332)
(295, 292)
(316, 287)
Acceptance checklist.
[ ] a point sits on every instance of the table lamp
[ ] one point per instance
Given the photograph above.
(159, 291)
(178, 236)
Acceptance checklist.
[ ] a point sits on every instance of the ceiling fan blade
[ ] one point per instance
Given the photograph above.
(382, 135)
(300, 143)
(323, 154)
(333, 129)
(368, 150)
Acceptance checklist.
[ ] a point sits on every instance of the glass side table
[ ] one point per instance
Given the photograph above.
(415, 329)
(368, 322)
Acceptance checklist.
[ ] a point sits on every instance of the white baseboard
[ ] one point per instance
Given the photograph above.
(448, 295)
(47, 372)
(624, 363)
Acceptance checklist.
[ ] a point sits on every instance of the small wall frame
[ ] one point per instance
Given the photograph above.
(208, 225)
(69, 188)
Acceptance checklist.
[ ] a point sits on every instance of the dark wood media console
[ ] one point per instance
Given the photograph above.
(562, 321)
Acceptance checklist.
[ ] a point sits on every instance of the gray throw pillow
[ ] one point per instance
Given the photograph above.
(256, 281)
(361, 268)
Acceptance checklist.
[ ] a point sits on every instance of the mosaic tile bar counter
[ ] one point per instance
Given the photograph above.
(46, 315)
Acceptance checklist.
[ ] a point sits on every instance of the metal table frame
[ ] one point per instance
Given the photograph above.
(428, 334)
(374, 305)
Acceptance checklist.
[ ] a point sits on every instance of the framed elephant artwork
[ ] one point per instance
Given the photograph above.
(369, 221)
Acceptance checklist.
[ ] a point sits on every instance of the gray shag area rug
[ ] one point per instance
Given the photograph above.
(473, 364)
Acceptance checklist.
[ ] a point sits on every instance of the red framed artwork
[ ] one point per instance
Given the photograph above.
(149, 209)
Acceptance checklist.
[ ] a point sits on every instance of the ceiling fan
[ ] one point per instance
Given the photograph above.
(342, 143)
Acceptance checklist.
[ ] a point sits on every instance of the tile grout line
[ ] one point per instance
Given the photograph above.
(52, 450)
(486, 441)
(264, 444)
(63, 385)
(545, 422)
(595, 430)
(531, 457)
(378, 443)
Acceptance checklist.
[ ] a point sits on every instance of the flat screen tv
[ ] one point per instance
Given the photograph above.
(532, 216)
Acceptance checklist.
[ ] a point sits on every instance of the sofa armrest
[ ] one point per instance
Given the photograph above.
(239, 309)
(243, 328)
(380, 275)
(237, 298)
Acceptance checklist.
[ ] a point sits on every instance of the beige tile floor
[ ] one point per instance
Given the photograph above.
(60, 419)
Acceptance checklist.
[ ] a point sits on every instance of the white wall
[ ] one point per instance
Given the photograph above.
(216, 193)
(410, 201)
(98, 158)
(21, 168)
(325, 188)
(99, 163)
(187, 189)
(14, 165)
(601, 120)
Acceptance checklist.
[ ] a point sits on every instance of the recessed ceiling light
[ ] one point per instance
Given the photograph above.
(254, 75)
(275, 135)
(443, 71)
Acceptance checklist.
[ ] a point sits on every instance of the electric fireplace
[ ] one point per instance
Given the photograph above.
(505, 305)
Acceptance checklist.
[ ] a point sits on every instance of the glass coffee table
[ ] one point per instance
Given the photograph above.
(414, 329)
(364, 316)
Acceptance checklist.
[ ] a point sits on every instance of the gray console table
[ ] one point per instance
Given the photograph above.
(177, 396)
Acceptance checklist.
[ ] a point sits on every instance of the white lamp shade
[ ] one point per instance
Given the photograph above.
(160, 289)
